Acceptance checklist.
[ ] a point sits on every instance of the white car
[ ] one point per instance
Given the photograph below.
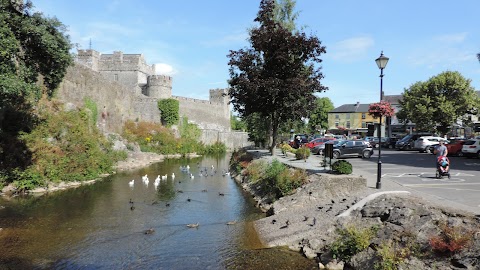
(423, 143)
(471, 148)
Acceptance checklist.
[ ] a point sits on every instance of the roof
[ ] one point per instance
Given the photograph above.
(351, 108)
(393, 99)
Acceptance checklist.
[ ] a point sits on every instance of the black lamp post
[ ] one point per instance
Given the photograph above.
(381, 63)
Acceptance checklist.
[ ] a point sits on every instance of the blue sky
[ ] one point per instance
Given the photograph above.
(190, 39)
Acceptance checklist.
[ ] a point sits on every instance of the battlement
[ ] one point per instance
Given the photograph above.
(219, 96)
(162, 80)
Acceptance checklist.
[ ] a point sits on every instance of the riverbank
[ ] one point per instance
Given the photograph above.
(408, 228)
(135, 160)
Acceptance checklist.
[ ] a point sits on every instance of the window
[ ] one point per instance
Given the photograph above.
(115, 77)
(364, 115)
(348, 116)
(337, 116)
(364, 125)
(348, 124)
(336, 124)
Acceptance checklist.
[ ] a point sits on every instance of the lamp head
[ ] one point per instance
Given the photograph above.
(382, 61)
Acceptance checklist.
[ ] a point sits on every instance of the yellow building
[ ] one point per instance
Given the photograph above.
(350, 119)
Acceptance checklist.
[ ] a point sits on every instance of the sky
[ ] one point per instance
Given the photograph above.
(190, 39)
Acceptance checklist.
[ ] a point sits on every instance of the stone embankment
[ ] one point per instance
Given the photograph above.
(308, 221)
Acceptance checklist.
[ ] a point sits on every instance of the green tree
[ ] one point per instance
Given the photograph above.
(34, 57)
(236, 123)
(319, 115)
(284, 14)
(437, 103)
(276, 77)
(169, 109)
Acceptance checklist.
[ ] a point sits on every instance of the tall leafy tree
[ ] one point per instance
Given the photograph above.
(31, 47)
(437, 103)
(277, 76)
(284, 13)
(319, 115)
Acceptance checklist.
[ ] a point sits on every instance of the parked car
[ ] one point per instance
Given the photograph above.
(407, 142)
(374, 142)
(422, 144)
(321, 147)
(471, 148)
(455, 148)
(317, 141)
(357, 148)
(389, 142)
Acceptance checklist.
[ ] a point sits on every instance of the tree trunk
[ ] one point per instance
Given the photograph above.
(274, 137)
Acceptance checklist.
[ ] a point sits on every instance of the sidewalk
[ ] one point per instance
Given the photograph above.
(313, 164)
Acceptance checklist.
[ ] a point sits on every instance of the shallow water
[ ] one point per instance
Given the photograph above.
(102, 226)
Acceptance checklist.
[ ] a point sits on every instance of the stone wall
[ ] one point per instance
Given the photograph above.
(122, 103)
(81, 82)
(232, 139)
(206, 114)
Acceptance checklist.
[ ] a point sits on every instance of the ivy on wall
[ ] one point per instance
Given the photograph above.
(169, 109)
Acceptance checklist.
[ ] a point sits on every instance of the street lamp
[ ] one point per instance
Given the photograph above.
(381, 63)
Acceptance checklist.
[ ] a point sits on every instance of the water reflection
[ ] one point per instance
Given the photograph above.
(104, 225)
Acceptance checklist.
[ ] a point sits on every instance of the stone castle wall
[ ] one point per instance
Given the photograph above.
(122, 103)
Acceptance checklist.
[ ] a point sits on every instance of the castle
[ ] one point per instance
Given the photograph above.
(127, 88)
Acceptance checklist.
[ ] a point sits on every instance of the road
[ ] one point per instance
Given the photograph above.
(417, 171)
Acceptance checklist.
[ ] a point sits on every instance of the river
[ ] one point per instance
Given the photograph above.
(113, 225)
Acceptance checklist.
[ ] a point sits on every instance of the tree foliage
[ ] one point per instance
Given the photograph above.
(437, 103)
(31, 45)
(169, 109)
(276, 77)
(319, 114)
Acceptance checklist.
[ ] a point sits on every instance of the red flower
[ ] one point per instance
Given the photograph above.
(382, 108)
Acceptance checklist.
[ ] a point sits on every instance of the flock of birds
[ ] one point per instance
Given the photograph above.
(204, 172)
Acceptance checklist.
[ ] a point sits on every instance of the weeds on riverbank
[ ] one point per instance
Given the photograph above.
(62, 146)
(351, 240)
(273, 179)
(152, 137)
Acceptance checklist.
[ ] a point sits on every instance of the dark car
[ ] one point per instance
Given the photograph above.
(356, 148)
(407, 142)
(321, 147)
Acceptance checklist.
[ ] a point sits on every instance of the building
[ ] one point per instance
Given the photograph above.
(351, 119)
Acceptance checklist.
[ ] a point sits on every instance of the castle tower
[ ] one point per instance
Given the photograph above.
(220, 96)
(89, 58)
(159, 86)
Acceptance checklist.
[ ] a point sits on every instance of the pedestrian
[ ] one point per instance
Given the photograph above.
(299, 141)
(440, 151)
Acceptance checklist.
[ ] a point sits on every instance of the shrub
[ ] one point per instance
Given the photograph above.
(450, 240)
(393, 254)
(256, 170)
(289, 180)
(169, 109)
(342, 167)
(285, 147)
(351, 241)
(302, 153)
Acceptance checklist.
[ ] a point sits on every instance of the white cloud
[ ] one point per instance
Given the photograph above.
(351, 49)
(164, 69)
(452, 38)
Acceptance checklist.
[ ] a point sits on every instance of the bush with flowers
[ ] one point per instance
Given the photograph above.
(382, 108)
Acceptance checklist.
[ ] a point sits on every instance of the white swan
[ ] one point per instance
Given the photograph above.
(131, 183)
(157, 182)
(192, 176)
(173, 175)
(157, 179)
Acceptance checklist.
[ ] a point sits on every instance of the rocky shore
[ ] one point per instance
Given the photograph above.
(309, 221)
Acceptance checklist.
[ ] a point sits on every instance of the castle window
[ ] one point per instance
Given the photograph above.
(115, 77)
(348, 124)
(364, 115)
(364, 125)
(337, 116)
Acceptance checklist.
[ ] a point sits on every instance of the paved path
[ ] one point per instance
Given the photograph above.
(313, 165)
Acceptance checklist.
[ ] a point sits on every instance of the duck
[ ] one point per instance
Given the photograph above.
(192, 176)
(193, 225)
(231, 222)
(131, 183)
(221, 194)
(149, 231)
